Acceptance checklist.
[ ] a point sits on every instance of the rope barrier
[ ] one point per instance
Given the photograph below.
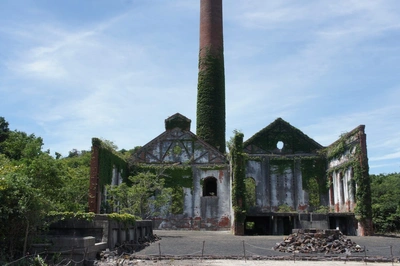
(257, 246)
(364, 255)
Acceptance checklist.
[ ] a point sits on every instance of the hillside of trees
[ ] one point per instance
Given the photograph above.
(385, 190)
(33, 183)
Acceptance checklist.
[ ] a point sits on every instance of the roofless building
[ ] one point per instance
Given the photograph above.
(277, 180)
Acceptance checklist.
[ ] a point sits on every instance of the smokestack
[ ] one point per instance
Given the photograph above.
(210, 123)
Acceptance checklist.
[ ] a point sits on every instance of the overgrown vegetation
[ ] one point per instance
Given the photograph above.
(33, 183)
(238, 186)
(109, 159)
(250, 192)
(294, 140)
(145, 196)
(358, 163)
(211, 99)
(385, 196)
(313, 171)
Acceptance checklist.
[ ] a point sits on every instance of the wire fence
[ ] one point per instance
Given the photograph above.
(82, 256)
(255, 252)
(58, 258)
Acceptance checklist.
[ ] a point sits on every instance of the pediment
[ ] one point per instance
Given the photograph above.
(178, 146)
(294, 141)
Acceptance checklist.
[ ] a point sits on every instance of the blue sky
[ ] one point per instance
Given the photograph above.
(116, 69)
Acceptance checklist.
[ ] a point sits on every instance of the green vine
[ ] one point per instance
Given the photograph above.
(358, 163)
(108, 159)
(294, 140)
(313, 172)
(281, 164)
(177, 200)
(173, 175)
(211, 99)
(238, 186)
(176, 177)
(314, 169)
(177, 122)
(213, 167)
(124, 218)
(284, 208)
(177, 150)
(338, 149)
(60, 216)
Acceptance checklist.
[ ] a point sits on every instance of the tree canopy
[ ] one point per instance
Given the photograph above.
(385, 194)
(32, 183)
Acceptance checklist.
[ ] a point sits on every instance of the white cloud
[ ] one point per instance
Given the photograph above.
(118, 76)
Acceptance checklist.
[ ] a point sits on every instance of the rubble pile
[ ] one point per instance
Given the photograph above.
(318, 241)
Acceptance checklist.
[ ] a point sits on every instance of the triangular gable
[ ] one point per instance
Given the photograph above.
(178, 146)
(265, 141)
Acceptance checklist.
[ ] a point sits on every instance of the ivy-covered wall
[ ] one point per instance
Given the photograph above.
(108, 160)
(211, 77)
(314, 180)
(348, 161)
(210, 123)
(294, 141)
(296, 182)
(238, 185)
(103, 161)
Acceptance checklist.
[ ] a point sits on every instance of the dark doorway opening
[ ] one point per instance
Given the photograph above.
(287, 225)
(344, 224)
(258, 225)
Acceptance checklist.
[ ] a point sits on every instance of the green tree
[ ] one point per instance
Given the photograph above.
(4, 130)
(145, 196)
(250, 192)
(19, 145)
(385, 195)
(22, 208)
(32, 183)
(74, 175)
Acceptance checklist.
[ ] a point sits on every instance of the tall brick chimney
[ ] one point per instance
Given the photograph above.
(210, 123)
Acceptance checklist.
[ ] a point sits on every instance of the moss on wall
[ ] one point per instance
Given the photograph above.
(108, 159)
(293, 139)
(174, 175)
(314, 178)
(357, 161)
(279, 165)
(211, 100)
(313, 171)
(238, 186)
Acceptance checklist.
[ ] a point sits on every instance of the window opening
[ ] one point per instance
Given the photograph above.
(280, 145)
(332, 193)
(353, 186)
(210, 186)
(250, 185)
(341, 188)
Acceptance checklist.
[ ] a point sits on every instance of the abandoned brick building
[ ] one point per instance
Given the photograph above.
(276, 180)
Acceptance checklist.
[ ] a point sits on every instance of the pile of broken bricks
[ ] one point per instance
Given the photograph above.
(318, 241)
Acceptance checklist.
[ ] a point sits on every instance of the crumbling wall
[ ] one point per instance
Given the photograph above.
(277, 184)
(190, 163)
(348, 175)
